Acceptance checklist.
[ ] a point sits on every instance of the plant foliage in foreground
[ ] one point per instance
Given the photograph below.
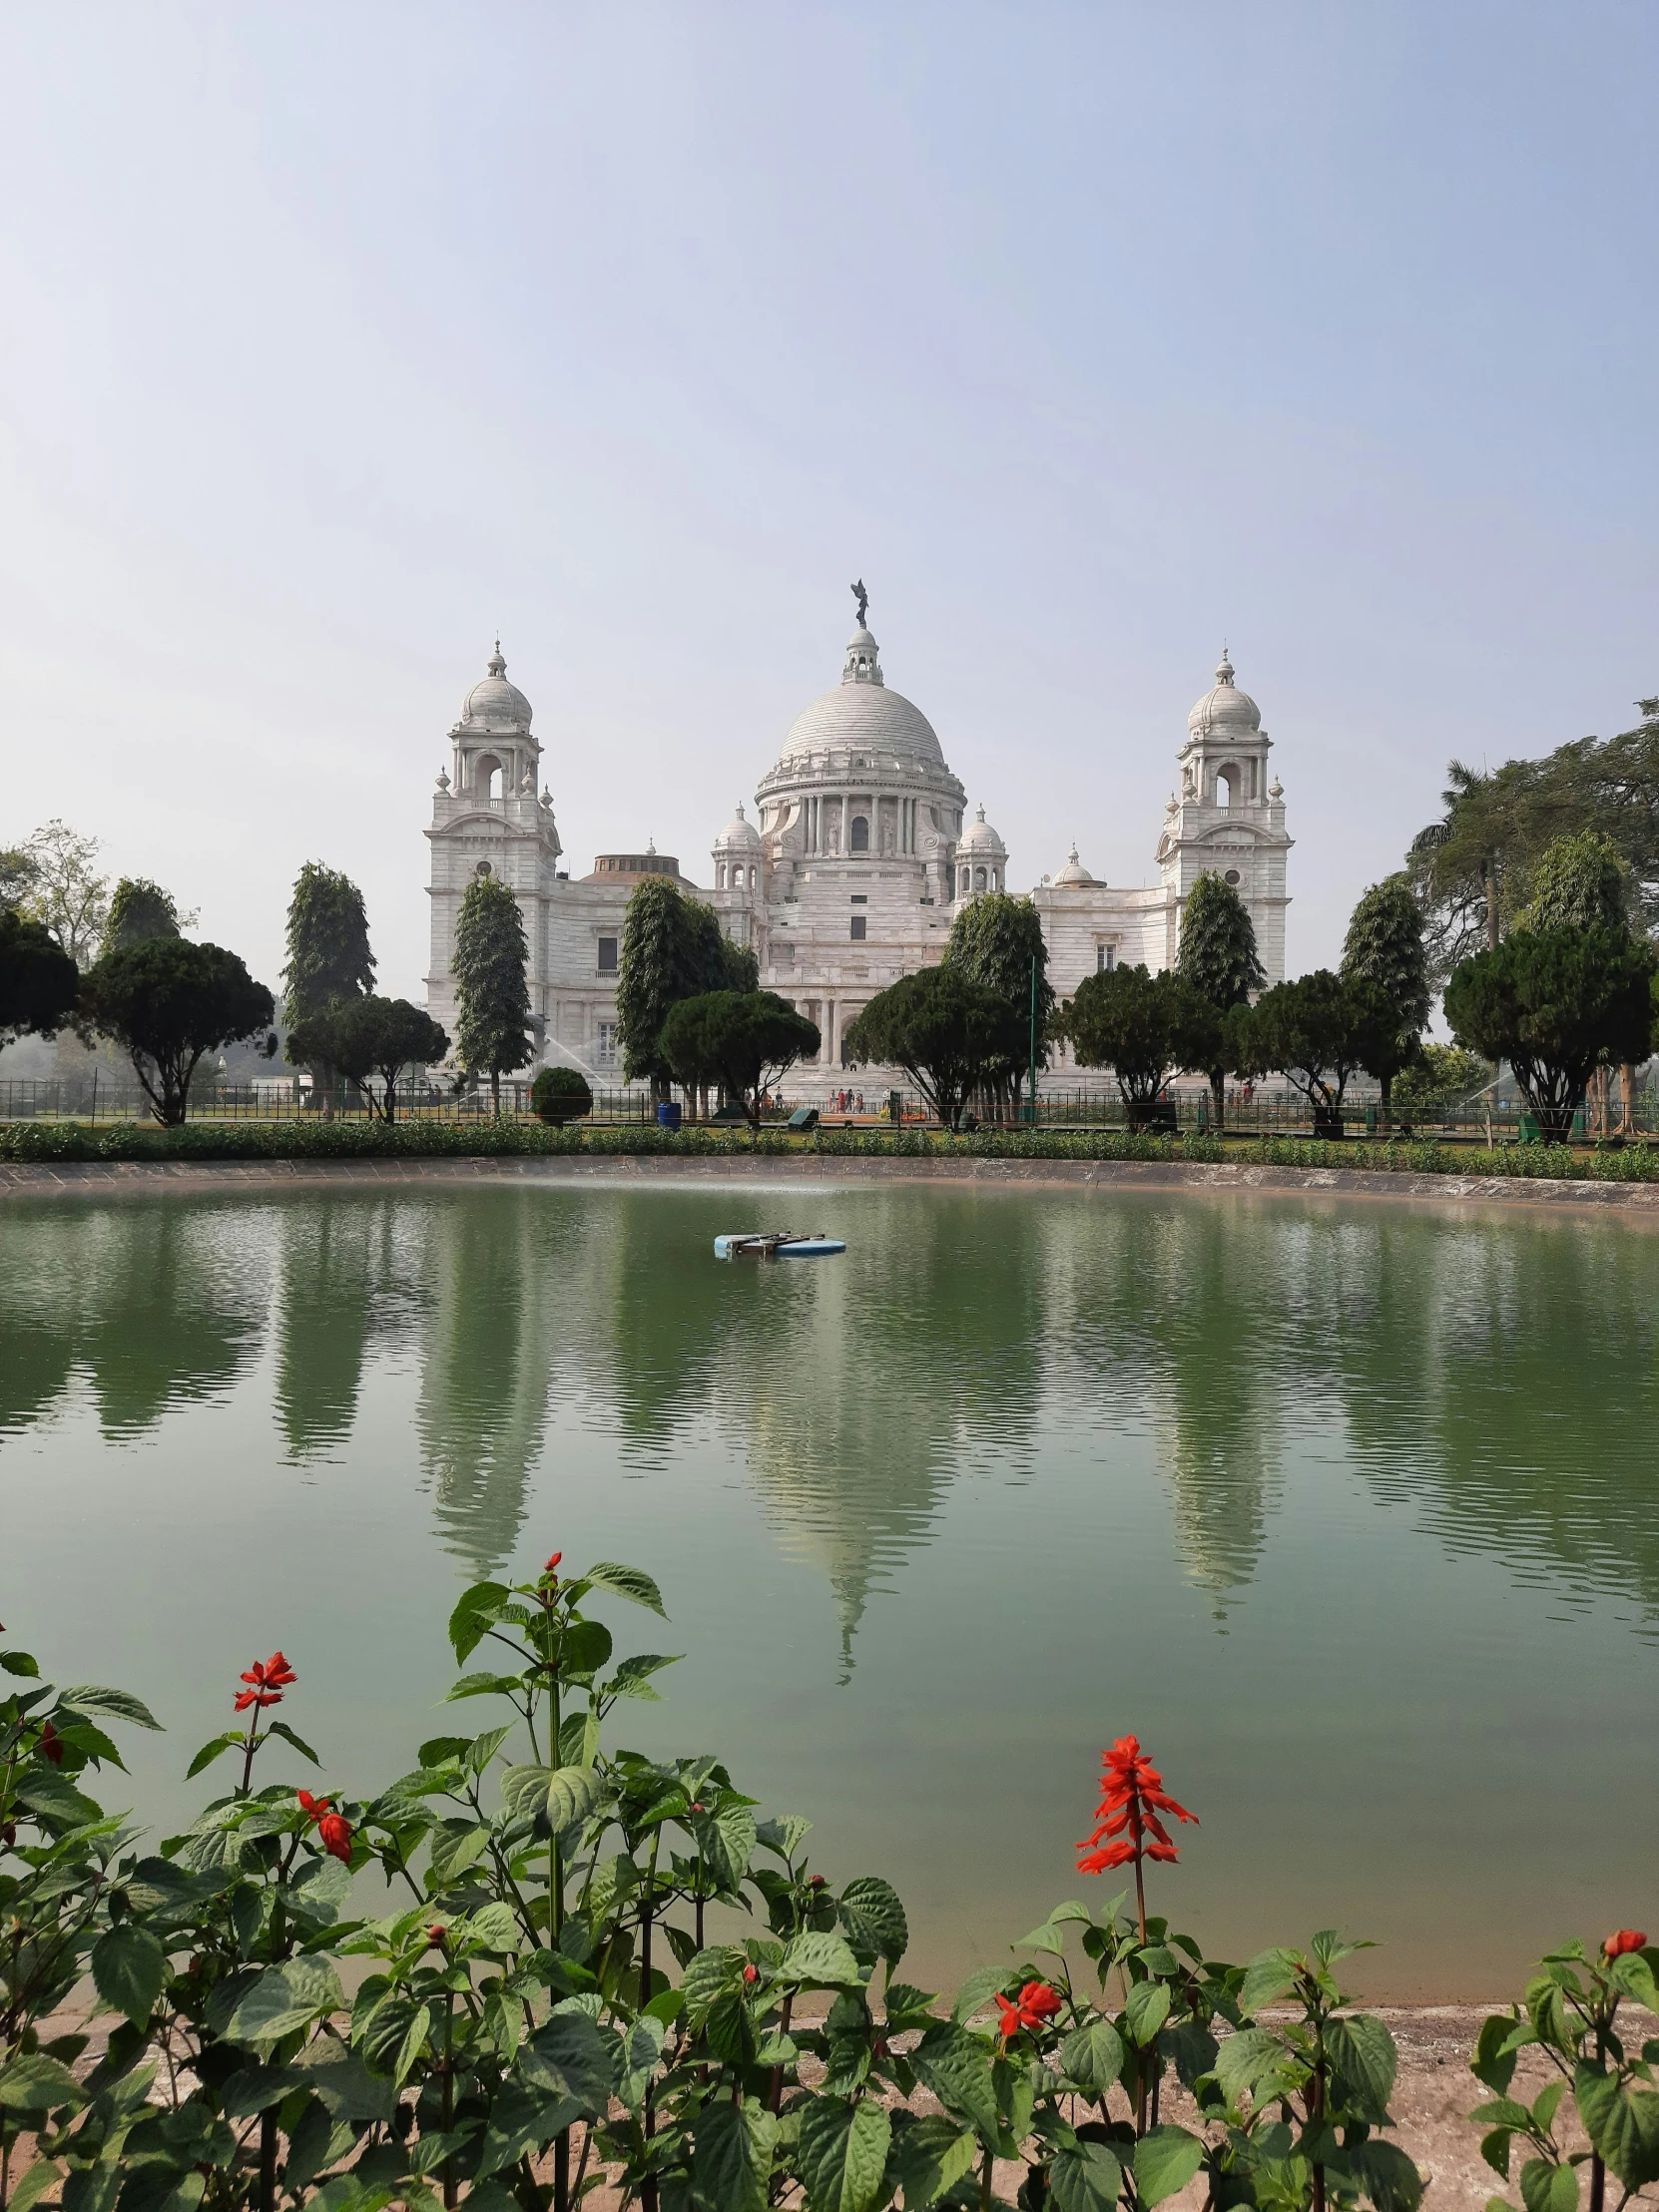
(497, 1983)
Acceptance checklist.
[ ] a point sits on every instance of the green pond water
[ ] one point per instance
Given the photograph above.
(1347, 1508)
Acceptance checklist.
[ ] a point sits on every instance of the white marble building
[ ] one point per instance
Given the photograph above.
(858, 860)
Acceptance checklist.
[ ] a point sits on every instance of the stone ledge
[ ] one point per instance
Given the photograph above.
(137, 1177)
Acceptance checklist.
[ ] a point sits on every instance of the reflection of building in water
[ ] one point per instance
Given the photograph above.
(347, 1270)
(1148, 1320)
(484, 1378)
(155, 1303)
(853, 1447)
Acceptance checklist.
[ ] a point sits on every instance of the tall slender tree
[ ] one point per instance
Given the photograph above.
(1383, 948)
(329, 959)
(494, 1034)
(140, 910)
(995, 938)
(328, 942)
(673, 948)
(1218, 959)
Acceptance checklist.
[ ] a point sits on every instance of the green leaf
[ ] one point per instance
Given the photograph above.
(956, 2066)
(1251, 2060)
(475, 1610)
(929, 2156)
(627, 1582)
(585, 1649)
(484, 1685)
(211, 1750)
(521, 2119)
(20, 1663)
(283, 1998)
(491, 1928)
(727, 1842)
(482, 1749)
(1622, 2123)
(1363, 2059)
(566, 2058)
(1084, 2177)
(558, 1797)
(1266, 1979)
(630, 1678)
(288, 1736)
(1494, 2058)
(36, 2084)
(977, 1993)
(1387, 2175)
(1092, 2056)
(822, 1960)
(874, 1917)
(44, 2174)
(1048, 1937)
(731, 2155)
(1145, 2010)
(783, 1836)
(115, 1704)
(1546, 2187)
(844, 2154)
(129, 1969)
(55, 1797)
(1632, 1976)
(1166, 2158)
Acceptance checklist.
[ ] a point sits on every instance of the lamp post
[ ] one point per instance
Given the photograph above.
(1031, 1114)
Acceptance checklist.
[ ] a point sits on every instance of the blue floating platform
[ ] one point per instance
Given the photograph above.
(776, 1244)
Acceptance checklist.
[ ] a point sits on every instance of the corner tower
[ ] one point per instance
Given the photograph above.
(1225, 815)
(488, 821)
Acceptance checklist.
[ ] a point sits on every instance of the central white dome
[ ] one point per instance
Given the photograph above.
(860, 713)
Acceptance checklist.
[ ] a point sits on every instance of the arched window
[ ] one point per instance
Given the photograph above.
(1229, 786)
(979, 878)
(487, 777)
(968, 882)
(861, 834)
(720, 877)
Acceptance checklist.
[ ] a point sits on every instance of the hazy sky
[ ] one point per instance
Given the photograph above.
(336, 337)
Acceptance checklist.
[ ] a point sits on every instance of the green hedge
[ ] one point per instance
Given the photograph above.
(26, 1141)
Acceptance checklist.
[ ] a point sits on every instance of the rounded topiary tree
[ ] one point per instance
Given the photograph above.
(559, 1095)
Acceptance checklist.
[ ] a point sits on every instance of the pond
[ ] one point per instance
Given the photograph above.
(1347, 1507)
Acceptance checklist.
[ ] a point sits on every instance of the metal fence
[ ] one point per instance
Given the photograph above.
(95, 1099)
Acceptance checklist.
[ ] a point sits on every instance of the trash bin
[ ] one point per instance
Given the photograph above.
(668, 1114)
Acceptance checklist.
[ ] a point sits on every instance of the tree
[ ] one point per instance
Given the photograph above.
(166, 1002)
(1580, 883)
(995, 938)
(944, 1029)
(491, 995)
(366, 1038)
(138, 912)
(1441, 1075)
(1383, 949)
(1218, 959)
(1473, 869)
(65, 892)
(17, 872)
(1143, 1027)
(38, 982)
(1553, 1003)
(673, 947)
(1317, 1032)
(328, 942)
(559, 1095)
(742, 1040)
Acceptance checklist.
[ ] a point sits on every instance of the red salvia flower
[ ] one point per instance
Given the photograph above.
(1623, 1940)
(751, 1975)
(334, 1830)
(1036, 2005)
(434, 1937)
(1131, 1799)
(815, 1882)
(553, 1562)
(268, 1678)
(51, 1743)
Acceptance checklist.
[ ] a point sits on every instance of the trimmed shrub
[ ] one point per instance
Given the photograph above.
(559, 1095)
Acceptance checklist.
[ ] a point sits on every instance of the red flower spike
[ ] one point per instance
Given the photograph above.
(815, 1882)
(1623, 1940)
(267, 1677)
(314, 1806)
(552, 1562)
(1132, 1797)
(1008, 2023)
(751, 1975)
(51, 1743)
(335, 1835)
(435, 1937)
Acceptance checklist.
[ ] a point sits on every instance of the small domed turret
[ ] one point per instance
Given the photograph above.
(493, 703)
(739, 835)
(1226, 709)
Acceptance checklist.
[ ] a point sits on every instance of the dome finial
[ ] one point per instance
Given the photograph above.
(497, 665)
(863, 597)
(1224, 667)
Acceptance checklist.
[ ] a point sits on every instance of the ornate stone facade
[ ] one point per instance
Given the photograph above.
(859, 860)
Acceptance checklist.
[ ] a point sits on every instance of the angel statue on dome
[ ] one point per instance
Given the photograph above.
(863, 597)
